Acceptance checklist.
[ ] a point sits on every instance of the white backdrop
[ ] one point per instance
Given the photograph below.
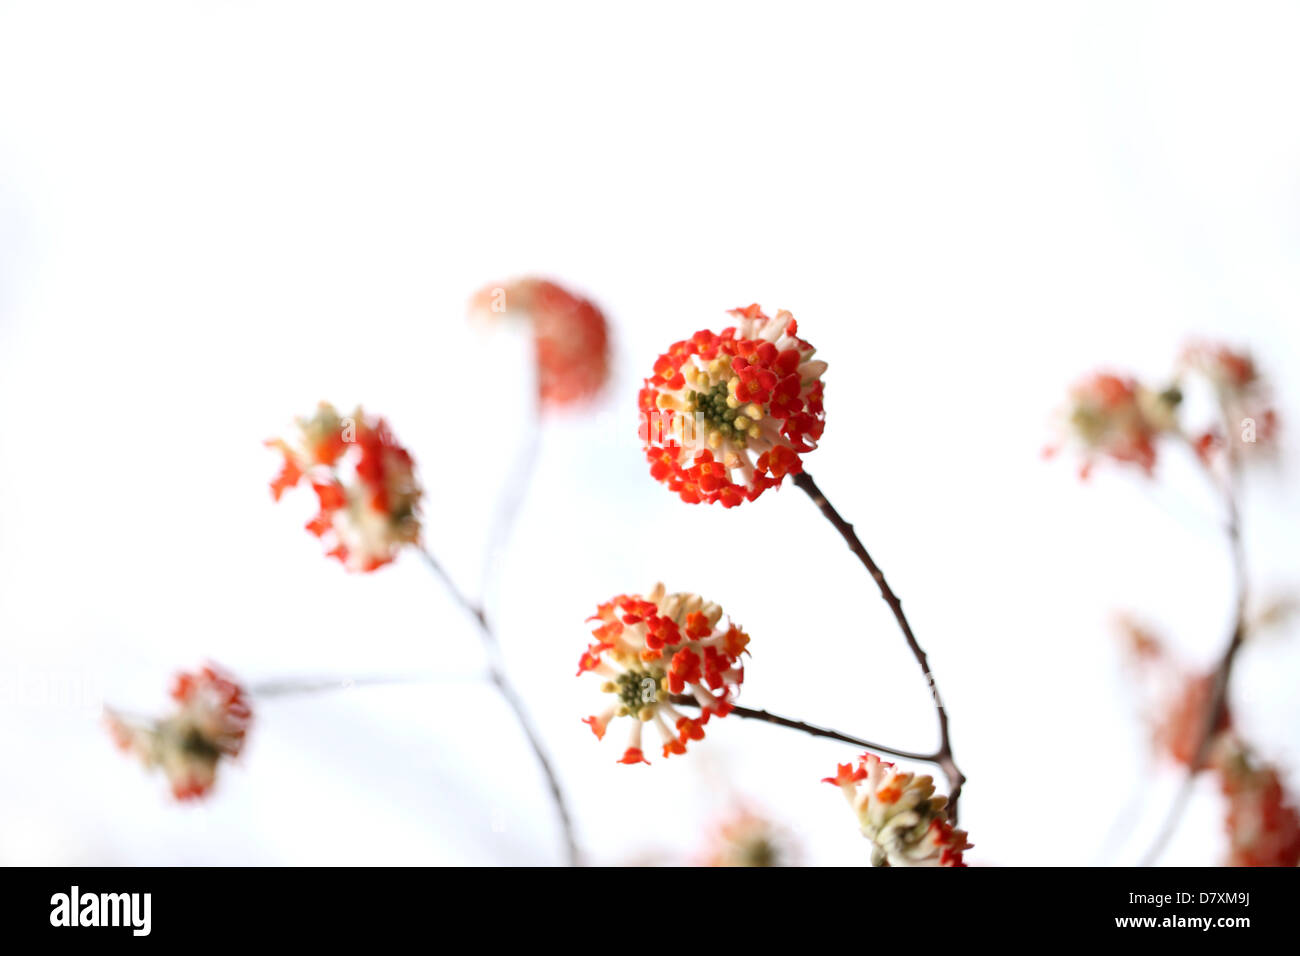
(214, 215)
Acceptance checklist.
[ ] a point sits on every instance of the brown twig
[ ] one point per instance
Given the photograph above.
(799, 725)
(497, 675)
(943, 756)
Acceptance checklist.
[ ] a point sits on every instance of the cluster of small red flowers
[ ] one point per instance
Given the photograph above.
(1242, 394)
(648, 648)
(1114, 417)
(1263, 827)
(906, 822)
(365, 483)
(210, 723)
(726, 416)
(570, 335)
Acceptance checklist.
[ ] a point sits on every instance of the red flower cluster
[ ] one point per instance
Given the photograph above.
(1263, 828)
(365, 483)
(648, 648)
(726, 416)
(570, 335)
(1114, 417)
(211, 723)
(1243, 396)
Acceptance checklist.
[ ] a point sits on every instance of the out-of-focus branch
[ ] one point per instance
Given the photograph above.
(511, 501)
(497, 675)
(294, 686)
(943, 756)
(1222, 674)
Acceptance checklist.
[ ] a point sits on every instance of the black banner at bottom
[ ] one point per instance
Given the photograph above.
(333, 906)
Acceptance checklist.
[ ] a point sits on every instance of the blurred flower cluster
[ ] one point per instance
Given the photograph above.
(1240, 392)
(748, 838)
(1117, 417)
(1121, 419)
(364, 481)
(209, 724)
(570, 336)
(1262, 821)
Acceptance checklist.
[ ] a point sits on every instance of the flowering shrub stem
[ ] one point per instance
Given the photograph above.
(496, 673)
(291, 687)
(1218, 700)
(511, 502)
(686, 701)
(943, 756)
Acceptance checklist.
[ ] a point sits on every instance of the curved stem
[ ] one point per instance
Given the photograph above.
(512, 499)
(293, 686)
(496, 673)
(763, 715)
(943, 756)
(1222, 674)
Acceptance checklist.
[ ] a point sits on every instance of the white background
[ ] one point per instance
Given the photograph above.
(214, 215)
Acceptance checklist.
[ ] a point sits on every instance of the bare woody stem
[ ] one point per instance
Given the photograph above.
(1222, 675)
(497, 675)
(763, 715)
(943, 756)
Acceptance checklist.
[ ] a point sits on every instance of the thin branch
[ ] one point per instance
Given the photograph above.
(943, 756)
(293, 686)
(496, 673)
(763, 715)
(1222, 674)
(512, 499)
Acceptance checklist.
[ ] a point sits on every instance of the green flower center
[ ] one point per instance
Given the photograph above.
(637, 690)
(717, 414)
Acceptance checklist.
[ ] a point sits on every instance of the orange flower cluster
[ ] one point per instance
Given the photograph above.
(570, 335)
(365, 483)
(649, 648)
(727, 416)
(1116, 417)
(209, 725)
(906, 822)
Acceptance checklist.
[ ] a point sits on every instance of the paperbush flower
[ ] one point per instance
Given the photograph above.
(747, 838)
(1114, 417)
(365, 483)
(900, 814)
(648, 648)
(210, 723)
(1263, 826)
(726, 416)
(570, 334)
(1242, 394)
